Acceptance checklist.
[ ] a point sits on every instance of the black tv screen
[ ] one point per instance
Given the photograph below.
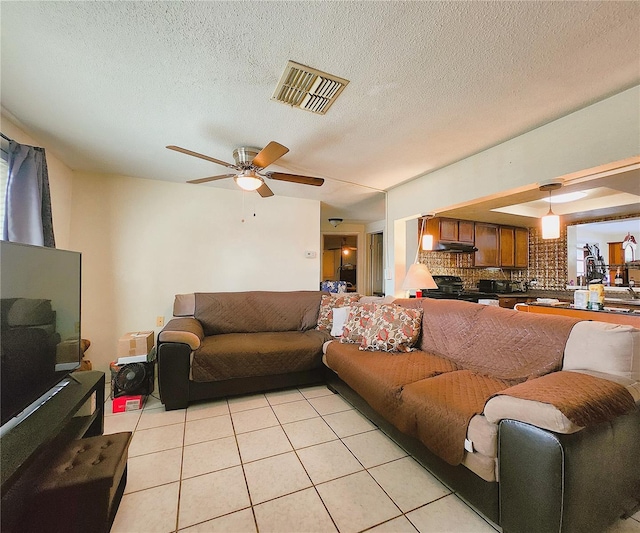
(40, 322)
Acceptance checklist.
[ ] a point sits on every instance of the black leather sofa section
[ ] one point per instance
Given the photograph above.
(549, 483)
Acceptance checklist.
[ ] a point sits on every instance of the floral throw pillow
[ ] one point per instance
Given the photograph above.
(329, 301)
(392, 329)
(358, 319)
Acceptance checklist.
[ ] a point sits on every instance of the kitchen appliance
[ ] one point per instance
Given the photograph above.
(500, 286)
(452, 288)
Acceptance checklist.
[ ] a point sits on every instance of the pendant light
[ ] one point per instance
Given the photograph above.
(551, 221)
(418, 276)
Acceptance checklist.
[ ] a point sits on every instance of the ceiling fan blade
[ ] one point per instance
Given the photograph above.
(264, 191)
(269, 154)
(211, 178)
(201, 156)
(294, 178)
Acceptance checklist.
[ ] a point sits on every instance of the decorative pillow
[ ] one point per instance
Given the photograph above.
(340, 315)
(329, 301)
(359, 317)
(392, 329)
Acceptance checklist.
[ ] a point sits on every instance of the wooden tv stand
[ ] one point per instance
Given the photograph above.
(26, 450)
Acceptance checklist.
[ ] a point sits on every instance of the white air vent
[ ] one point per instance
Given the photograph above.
(308, 88)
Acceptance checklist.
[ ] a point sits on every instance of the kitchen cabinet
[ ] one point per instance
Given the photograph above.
(522, 248)
(616, 260)
(507, 246)
(514, 247)
(451, 230)
(487, 243)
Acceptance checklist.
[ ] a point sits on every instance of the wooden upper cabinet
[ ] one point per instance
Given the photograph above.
(507, 246)
(487, 244)
(448, 229)
(522, 248)
(451, 230)
(466, 231)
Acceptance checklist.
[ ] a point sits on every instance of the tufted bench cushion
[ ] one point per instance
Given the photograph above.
(86, 480)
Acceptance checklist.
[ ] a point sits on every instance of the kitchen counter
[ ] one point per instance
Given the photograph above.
(616, 316)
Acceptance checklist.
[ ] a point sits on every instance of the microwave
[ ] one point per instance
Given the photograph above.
(494, 285)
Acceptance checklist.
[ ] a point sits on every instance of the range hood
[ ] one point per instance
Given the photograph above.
(454, 247)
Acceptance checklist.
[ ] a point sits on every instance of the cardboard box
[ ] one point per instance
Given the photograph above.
(127, 403)
(135, 343)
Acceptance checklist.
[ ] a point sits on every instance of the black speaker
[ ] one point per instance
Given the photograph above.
(132, 379)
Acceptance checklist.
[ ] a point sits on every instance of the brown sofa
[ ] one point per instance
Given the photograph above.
(221, 344)
(532, 419)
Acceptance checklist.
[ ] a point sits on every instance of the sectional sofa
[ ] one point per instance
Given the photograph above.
(534, 420)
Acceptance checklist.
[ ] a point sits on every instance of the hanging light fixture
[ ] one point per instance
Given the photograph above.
(551, 221)
(418, 276)
(426, 242)
(248, 180)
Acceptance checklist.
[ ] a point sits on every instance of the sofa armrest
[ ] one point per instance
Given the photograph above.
(579, 482)
(563, 402)
(539, 414)
(183, 330)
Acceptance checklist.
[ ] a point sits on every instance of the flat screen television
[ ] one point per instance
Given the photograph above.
(40, 323)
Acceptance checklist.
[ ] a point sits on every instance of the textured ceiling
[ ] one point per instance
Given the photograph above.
(108, 85)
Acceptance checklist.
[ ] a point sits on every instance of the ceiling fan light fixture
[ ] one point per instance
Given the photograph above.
(248, 180)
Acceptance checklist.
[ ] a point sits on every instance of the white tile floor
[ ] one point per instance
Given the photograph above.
(299, 460)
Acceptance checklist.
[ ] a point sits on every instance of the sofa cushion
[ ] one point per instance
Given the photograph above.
(327, 303)
(603, 347)
(501, 343)
(359, 317)
(379, 377)
(257, 311)
(442, 406)
(392, 329)
(241, 355)
(340, 315)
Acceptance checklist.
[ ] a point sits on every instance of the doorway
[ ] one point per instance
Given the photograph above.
(376, 263)
(340, 259)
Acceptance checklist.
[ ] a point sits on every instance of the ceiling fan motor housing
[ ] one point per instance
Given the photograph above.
(244, 156)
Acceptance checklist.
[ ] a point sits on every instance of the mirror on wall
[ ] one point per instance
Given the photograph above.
(604, 250)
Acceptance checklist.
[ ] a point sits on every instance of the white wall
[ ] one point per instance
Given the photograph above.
(143, 241)
(602, 133)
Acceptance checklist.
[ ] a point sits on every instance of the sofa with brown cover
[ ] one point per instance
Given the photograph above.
(226, 343)
(532, 419)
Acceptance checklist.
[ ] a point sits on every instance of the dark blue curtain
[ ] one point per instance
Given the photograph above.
(28, 203)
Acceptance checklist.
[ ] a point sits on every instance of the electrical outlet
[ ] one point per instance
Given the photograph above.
(159, 321)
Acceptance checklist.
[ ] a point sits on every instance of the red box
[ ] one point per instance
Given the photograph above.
(127, 403)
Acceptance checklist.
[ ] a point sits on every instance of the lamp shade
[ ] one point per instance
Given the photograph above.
(418, 277)
(550, 226)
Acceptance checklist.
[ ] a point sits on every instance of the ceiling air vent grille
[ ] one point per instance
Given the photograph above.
(308, 88)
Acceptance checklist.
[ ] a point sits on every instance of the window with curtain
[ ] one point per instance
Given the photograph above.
(27, 206)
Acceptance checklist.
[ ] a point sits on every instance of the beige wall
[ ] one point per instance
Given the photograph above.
(602, 133)
(143, 241)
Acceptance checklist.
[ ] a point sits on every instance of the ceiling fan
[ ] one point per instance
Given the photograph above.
(248, 168)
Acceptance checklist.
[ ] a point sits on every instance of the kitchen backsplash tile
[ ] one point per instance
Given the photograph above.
(547, 264)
